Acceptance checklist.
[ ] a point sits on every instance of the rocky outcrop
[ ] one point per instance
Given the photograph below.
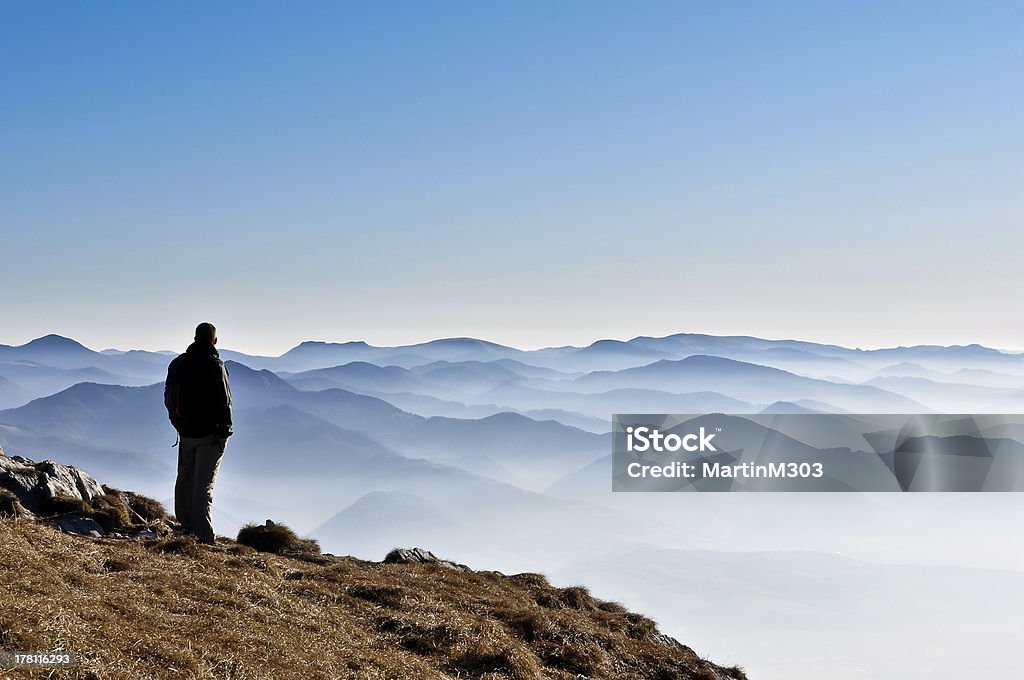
(36, 485)
(420, 556)
(74, 502)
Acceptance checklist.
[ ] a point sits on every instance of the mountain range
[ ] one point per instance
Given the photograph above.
(492, 454)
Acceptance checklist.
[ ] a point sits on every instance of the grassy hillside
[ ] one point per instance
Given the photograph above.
(167, 608)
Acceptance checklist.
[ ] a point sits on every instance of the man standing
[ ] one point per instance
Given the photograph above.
(198, 400)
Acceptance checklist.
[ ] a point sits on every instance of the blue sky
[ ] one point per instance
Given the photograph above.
(531, 173)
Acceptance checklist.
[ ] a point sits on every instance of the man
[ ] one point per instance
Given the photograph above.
(198, 399)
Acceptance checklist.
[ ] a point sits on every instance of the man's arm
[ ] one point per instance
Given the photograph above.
(171, 387)
(223, 392)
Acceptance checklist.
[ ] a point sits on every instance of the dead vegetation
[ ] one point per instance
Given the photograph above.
(277, 539)
(169, 608)
(114, 510)
(9, 505)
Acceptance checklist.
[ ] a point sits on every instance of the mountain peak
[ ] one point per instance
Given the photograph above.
(322, 343)
(463, 342)
(55, 342)
(711, 361)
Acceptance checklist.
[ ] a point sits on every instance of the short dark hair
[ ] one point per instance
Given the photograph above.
(206, 332)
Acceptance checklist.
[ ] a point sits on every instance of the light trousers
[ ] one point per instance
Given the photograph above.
(198, 464)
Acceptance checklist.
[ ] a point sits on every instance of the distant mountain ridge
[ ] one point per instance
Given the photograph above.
(500, 455)
(638, 351)
(465, 377)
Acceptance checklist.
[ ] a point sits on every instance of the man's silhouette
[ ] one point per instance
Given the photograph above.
(198, 399)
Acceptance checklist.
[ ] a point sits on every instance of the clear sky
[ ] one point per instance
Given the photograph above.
(530, 173)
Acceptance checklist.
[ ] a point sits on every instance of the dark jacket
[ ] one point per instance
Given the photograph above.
(197, 393)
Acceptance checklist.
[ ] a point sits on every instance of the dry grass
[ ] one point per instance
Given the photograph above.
(9, 505)
(114, 511)
(173, 609)
(109, 510)
(145, 508)
(139, 507)
(276, 538)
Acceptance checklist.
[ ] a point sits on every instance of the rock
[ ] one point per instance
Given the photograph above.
(34, 484)
(20, 480)
(76, 524)
(420, 556)
(64, 480)
(666, 641)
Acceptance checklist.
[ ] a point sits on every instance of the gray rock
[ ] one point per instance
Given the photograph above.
(21, 480)
(64, 480)
(666, 641)
(36, 483)
(76, 524)
(420, 556)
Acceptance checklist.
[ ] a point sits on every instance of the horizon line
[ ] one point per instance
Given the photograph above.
(522, 349)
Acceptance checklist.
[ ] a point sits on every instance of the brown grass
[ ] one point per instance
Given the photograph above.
(114, 510)
(109, 510)
(276, 538)
(145, 508)
(173, 609)
(9, 505)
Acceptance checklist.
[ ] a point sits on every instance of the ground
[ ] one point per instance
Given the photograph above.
(168, 608)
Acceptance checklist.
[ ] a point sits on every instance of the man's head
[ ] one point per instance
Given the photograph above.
(206, 332)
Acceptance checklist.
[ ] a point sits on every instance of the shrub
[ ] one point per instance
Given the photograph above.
(611, 607)
(110, 510)
(145, 507)
(639, 627)
(9, 505)
(530, 580)
(276, 538)
(62, 505)
(577, 597)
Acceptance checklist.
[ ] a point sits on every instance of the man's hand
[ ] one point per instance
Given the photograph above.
(224, 431)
